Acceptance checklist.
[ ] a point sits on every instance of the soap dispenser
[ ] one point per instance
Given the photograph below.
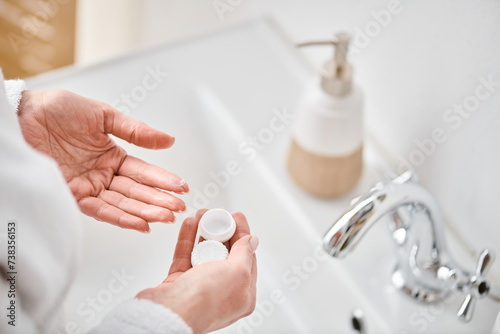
(326, 152)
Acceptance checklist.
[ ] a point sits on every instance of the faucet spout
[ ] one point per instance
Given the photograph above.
(382, 200)
(424, 271)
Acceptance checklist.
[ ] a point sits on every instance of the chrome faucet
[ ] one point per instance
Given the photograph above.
(425, 270)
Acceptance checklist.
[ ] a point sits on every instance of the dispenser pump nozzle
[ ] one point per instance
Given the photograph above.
(336, 75)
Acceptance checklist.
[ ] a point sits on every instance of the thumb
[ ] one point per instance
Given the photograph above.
(243, 250)
(134, 131)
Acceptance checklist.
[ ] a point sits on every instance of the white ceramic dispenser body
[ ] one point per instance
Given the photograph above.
(326, 153)
(329, 125)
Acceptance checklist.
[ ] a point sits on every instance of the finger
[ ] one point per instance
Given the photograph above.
(134, 131)
(242, 228)
(101, 210)
(149, 213)
(242, 252)
(146, 194)
(152, 175)
(200, 213)
(184, 247)
(198, 216)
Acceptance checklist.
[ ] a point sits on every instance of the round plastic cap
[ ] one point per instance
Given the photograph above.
(217, 224)
(208, 250)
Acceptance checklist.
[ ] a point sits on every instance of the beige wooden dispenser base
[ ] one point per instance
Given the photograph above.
(324, 176)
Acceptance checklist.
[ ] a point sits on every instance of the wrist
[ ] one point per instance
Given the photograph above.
(25, 102)
(184, 303)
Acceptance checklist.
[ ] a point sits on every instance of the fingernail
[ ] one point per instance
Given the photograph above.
(176, 181)
(254, 243)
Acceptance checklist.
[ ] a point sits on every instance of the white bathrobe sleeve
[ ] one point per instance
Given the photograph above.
(142, 316)
(14, 90)
(35, 196)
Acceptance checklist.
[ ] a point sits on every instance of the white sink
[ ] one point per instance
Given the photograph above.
(222, 88)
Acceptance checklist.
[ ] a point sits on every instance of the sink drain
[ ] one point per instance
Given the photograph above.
(358, 321)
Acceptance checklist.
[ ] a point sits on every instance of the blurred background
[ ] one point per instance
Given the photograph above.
(41, 35)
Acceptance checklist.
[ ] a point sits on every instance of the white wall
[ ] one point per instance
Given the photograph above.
(433, 59)
(414, 65)
(105, 28)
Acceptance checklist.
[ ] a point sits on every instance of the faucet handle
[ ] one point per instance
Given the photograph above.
(478, 285)
(486, 258)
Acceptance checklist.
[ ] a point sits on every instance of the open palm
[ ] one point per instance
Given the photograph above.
(108, 184)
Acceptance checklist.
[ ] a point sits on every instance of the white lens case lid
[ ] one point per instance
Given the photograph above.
(208, 250)
(217, 224)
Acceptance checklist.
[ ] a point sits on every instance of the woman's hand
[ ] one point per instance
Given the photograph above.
(214, 294)
(108, 184)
